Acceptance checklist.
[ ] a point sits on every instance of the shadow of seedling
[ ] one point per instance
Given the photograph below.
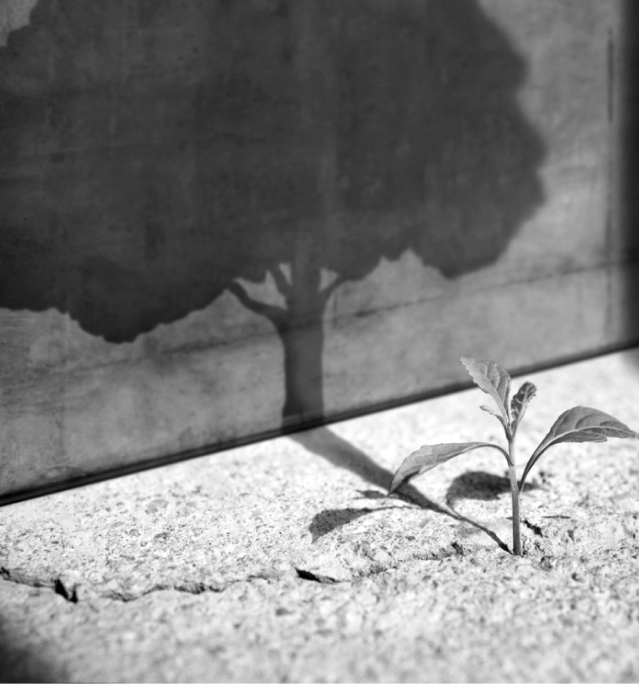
(342, 454)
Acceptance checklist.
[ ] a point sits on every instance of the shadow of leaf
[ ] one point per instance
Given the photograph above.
(477, 485)
(332, 518)
(480, 486)
(371, 494)
(328, 520)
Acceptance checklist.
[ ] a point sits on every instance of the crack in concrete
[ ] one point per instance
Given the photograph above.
(325, 577)
(56, 584)
(60, 588)
(315, 576)
(71, 591)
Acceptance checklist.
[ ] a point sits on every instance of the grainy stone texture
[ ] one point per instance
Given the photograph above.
(284, 561)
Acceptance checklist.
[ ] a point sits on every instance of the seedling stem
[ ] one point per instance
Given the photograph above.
(514, 490)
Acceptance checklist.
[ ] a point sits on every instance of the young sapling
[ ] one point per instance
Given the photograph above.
(578, 424)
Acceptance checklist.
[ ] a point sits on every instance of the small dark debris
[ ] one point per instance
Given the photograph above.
(547, 563)
(557, 517)
(534, 528)
(59, 588)
(458, 548)
(312, 577)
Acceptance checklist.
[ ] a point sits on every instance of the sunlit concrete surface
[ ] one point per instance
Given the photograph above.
(285, 561)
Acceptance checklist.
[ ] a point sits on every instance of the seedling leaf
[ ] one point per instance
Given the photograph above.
(430, 456)
(493, 380)
(492, 411)
(500, 418)
(579, 424)
(520, 402)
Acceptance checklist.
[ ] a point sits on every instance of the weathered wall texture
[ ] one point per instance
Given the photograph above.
(221, 218)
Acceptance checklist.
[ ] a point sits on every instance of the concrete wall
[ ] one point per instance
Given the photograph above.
(224, 218)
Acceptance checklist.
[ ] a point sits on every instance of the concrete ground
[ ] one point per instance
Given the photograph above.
(285, 561)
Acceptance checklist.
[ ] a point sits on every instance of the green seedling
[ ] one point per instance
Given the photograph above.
(578, 424)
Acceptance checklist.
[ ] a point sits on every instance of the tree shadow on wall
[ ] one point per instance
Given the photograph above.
(156, 154)
(627, 119)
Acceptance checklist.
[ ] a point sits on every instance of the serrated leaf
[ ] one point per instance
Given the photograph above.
(430, 456)
(493, 380)
(500, 418)
(492, 411)
(579, 424)
(520, 402)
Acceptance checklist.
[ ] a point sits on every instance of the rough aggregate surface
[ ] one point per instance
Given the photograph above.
(285, 561)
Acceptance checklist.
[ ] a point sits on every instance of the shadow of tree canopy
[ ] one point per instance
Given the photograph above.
(156, 154)
(628, 122)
